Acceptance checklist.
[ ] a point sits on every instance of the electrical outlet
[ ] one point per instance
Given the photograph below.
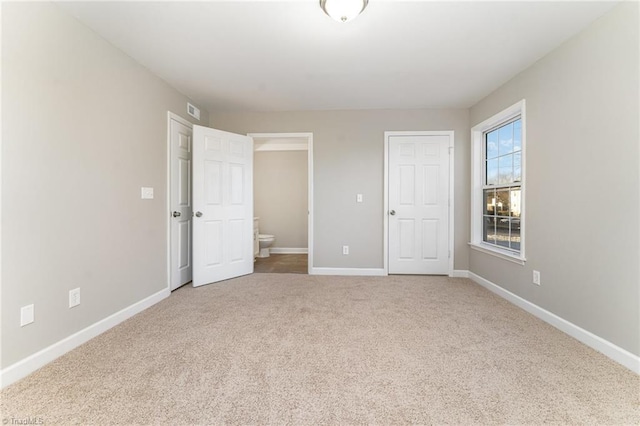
(536, 277)
(74, 297)
(345, 249)
(146, 193)
(26, 315)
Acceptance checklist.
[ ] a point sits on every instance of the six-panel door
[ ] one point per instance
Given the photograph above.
(418, 204)
(180, 199)
(223, 205)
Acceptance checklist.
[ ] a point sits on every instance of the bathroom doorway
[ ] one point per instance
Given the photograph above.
(283, 202)
(282, 264)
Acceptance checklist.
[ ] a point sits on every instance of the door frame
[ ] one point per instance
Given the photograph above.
(385, 209)
(309, 137)
(185, 122)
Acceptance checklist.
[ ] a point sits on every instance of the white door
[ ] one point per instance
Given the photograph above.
(180, 202)
(223, 205)
(418, 204)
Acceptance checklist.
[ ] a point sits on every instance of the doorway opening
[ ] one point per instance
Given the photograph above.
(283, 202)
(186, 152)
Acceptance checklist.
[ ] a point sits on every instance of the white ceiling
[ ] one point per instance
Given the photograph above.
(288, 55)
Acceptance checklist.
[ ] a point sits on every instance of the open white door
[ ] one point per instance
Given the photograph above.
(180, 138)
(222, 205)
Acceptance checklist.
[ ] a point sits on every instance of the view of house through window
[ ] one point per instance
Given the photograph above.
(502, 185)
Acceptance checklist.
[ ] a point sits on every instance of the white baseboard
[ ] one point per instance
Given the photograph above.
(616, 353)
(348, 271)
(28, 365)
(288, 250)
(459, 273)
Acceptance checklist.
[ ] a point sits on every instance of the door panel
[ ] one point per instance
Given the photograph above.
(407, 238)
(184, 182)
(430, 185)
(181, 146)
(430, 239)
(237, 186)
(406, 185)
(236, 237)
(419, 198)
(184, 238)
(223, 202)
(213, 175)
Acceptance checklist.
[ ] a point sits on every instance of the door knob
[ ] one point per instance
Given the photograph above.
(392, 212)
(176, 214)
(198, 214)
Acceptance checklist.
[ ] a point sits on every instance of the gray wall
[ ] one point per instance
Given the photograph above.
(84, 127)
(582, 205)
(280, 195)
(348, 159)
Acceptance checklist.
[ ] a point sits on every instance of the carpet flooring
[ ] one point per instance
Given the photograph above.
(299, 349)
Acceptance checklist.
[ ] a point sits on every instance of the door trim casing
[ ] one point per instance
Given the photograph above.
(385, 208)
(184, 121)
(309, 137)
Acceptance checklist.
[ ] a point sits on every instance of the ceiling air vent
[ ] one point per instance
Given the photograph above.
(193, 111)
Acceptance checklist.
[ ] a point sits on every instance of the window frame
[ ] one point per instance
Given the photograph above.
(478, 161)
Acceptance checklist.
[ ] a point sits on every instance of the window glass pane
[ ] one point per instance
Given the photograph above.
(506, 169)
(505, 139)
(517, 167)
(492, 172)
(492, 144)
(502, 231)
(503, 174)
(502, 202)
(515, 201)
(489, 202)
(517, 135)
(515, 234)
(489, 230)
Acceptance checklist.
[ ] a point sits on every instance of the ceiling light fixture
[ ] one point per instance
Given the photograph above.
(343, 10)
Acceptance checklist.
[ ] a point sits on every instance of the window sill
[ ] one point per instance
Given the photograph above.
(502, 254)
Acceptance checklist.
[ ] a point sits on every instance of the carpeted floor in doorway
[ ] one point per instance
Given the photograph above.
(299, 349)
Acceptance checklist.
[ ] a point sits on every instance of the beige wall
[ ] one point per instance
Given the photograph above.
(280, 196)
(84, 127)
(582, 205)
(348, 160)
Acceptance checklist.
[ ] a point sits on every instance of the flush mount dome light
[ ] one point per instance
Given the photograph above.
(343, 10)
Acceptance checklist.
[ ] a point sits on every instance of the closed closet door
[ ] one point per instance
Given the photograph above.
(418, 204)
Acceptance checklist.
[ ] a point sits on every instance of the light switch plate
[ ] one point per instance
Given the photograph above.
(26, 315)
(359, 198)
(146, 193)
(536, 277)
(74, 297)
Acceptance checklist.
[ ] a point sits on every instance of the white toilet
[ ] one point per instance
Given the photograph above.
(265, 241)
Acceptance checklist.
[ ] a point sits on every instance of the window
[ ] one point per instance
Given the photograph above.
(497, 222)
(501, 187)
